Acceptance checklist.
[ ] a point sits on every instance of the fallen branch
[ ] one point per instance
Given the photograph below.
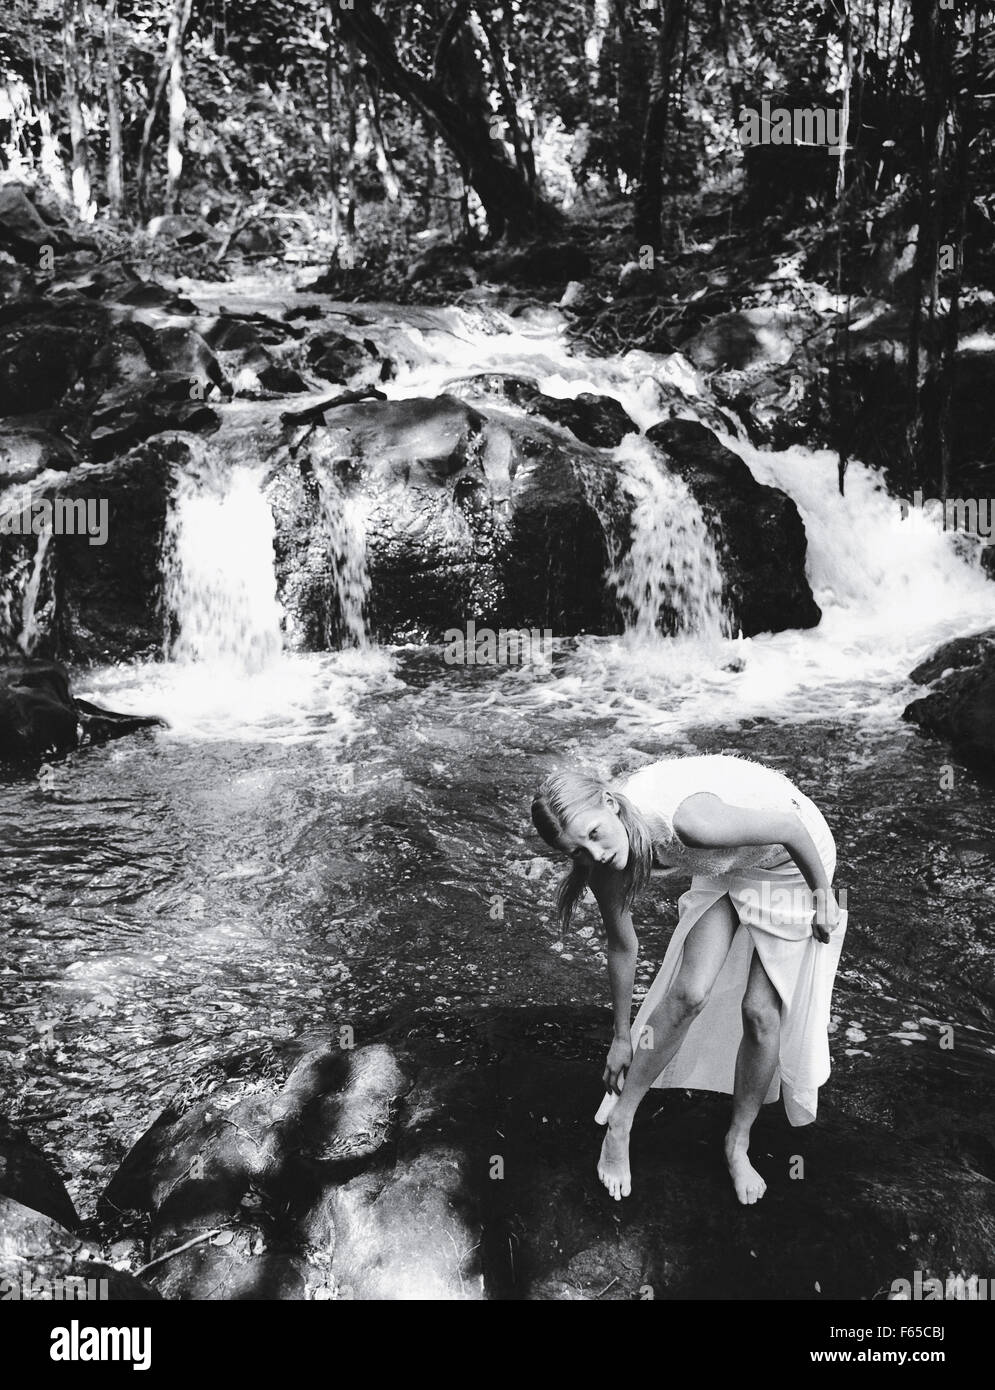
(208, 1235)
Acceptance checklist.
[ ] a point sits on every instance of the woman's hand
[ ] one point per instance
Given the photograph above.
(827, 915)
(619, 1061)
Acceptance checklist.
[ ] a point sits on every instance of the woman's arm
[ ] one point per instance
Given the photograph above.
(706, 821)
(623, 945)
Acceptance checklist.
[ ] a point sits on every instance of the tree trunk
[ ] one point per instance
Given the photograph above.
(174, 39)
(115, 170)
(77, 130)
(512, 208)
(649, 193)
(177, 100)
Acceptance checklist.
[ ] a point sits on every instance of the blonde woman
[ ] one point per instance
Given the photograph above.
(741, 1001)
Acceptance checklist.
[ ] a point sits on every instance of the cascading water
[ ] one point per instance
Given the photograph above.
(219, 580)
(889, 589)
(29, 606)
(671, 563)
(21, 587)
(345, 515)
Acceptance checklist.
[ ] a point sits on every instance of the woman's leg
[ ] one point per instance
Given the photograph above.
(756, 1062)
(705, 950)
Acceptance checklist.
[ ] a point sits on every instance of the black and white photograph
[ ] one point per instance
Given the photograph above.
(497, 668)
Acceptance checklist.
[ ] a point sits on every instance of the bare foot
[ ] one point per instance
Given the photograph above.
(613, 1165)
(749, 1185)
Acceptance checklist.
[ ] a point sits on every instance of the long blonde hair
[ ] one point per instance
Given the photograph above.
(563, 795)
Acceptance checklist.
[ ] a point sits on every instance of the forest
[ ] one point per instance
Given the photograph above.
(399, 141)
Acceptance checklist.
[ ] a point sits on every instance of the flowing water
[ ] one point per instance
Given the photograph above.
(318, 839)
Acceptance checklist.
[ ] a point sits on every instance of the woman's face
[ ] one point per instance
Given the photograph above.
(597, 837)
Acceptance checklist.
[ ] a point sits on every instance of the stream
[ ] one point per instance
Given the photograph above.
(323, 839)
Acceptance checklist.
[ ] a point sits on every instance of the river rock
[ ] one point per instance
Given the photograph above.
(759, 532)
(255, 1165)
(27, 450)
(960, 707)
(40, 363)
(29, 1177)
(17, 284)
(134, 412)
(42, 1260)
(597, 420)
(22, 231)
(110, 593)
(338, 358)
(453, 1160)
(466, 516)
(39, 717)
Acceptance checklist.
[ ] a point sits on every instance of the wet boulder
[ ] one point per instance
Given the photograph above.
(247, 1171)
(109, 592)
(128, 414)
(39, 717)
(414, 474)
(597, 420)
(17, 284)
(558, 546)
(960, 706)
(338, 358)
(759, 533)
(42, 1260)
(180, 351)
(27, 450)
(41, 362)
(465, 515)
(29, 1177)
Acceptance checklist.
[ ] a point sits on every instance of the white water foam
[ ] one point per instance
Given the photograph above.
(672, 561)
(219, 576)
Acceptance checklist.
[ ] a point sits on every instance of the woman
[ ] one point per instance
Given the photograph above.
(741, 1002)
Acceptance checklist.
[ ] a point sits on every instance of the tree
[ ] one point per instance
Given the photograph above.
(513, 208)
(74, 106)
(649, 193)
(170, 76)
(177, 99)
(115, 166)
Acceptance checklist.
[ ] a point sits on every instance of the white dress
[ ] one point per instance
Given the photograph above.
(775, 908)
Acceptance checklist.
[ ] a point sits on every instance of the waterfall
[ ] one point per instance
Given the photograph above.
(886, 582)
(219, 585)
(345, 516)
(29, 604)
(671, 562)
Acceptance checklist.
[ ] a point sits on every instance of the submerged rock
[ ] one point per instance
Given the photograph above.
(960, 708)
